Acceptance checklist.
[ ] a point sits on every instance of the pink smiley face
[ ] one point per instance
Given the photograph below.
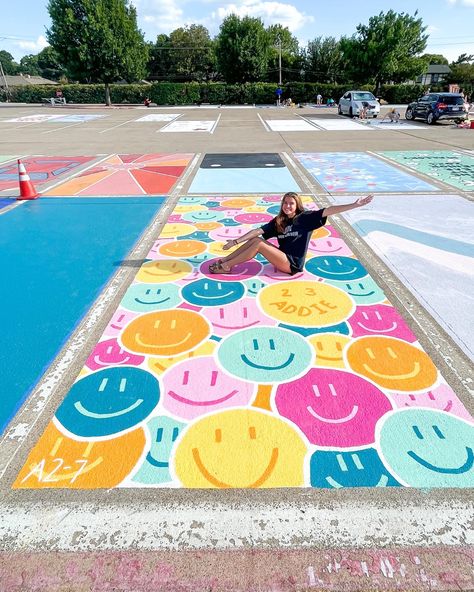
(442, 398)
(380, 319)
(333, 407)
(109, 353)
(241, 314)
(272, 198)
(175, 218)
(330, 246)
(240, 272)
(270, 275)
(227, 233)
(253, 218)
(197, 386)
(119, 321)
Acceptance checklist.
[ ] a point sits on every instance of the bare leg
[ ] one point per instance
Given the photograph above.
(251, 248)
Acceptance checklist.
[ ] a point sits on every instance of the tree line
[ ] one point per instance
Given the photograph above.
(95, 41)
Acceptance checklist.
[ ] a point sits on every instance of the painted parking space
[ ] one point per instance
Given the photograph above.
(341, 172)
(41, 169)
(243, 173)
(255, 379)
(207, 126)
(432, 255)
(452, 168)
(290, 125)
(339, 124)
(5, 158)
(34, 118)
(158, 117)
(77, 118)
(55, 259)
(127, 174)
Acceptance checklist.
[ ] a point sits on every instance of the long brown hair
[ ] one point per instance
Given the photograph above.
(282, 220)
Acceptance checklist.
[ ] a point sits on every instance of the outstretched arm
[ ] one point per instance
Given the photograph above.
(251, 234)
(362, 201)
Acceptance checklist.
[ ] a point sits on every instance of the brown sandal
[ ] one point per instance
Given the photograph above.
(218, 268)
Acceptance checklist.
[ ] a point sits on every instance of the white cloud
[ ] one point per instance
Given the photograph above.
(32, 46)
(462, 2)
(270, 12)
(161, 16)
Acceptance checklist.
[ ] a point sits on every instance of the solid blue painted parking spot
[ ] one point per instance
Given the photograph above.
(6, 201)
(243, 180)
(56, 254)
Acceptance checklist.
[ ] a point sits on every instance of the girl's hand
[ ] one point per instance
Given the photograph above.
(363, 201)
(229, 244)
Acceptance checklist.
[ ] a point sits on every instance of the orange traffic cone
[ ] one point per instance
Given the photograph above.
(27, 189)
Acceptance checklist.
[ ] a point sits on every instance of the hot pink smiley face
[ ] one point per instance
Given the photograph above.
(109, 353)
(198, 386)
(333, 407)
(240, 272)
(329, 246)
(253, 218)
(119, 321)
(380, 319)
(241, 314)
(442, 398)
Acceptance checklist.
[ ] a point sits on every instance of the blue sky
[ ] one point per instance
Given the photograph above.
(450, 22)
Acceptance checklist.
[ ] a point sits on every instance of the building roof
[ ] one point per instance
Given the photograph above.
(438, 69)
(25, 80)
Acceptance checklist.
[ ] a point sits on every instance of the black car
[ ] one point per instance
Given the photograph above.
(434, 106)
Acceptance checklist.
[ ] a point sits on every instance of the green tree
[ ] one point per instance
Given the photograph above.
(242, 49)
(434, 58)
(282, 41)
(50, 64)
(462, 73)
(387, 49)
(324, 60)
(192, 53)
(8, 63)
(98, 40)
(159, 64)
(29, 65)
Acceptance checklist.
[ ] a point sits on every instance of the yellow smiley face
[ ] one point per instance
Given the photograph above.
(392, 363)
(329, 348)
(306, 304)
(182, 248)
(237, 203)
(159, 365)
(183, 208)
(215, 248)
(255, 209)
(176, 229)
(163, 270)
(61, 462)
(240, 448)
(165, 333)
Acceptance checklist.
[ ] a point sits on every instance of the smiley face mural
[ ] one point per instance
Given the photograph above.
(253, 379)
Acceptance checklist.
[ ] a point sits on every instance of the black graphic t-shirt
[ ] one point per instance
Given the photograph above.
(295, 239)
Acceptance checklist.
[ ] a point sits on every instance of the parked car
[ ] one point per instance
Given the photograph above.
(435, 106)
(355, 100)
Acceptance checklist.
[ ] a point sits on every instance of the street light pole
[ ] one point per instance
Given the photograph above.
(279, 61)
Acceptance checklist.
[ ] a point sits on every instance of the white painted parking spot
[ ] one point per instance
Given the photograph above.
(401, 126)
(159, 117)
(340, 124)
(35, 118)
(189, 126)
(290, 125)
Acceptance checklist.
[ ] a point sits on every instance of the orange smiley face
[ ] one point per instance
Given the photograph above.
(207, 226)
(182, 248)
(165, 333)
(61, 462)
(237, 203)
(169, 270)
(392, 363)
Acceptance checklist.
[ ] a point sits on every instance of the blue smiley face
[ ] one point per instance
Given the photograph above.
(109, 401)
(198, 260)
(212, 204)
(336, 268)
(190, 200)
(229, 222)
(266, 355)
(203, 216)
(273, 210)
(164, 432)
(341, 328)
(148, 297)
(427, 448)
(357, 468)
(363, 291)
(254, 286)
(199, 235)
(206, 292)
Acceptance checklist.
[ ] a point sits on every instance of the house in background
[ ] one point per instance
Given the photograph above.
(23, 80)
(435, 74)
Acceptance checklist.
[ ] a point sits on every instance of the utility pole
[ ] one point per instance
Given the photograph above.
(279, 61)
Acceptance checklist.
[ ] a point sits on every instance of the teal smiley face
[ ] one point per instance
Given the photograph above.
(427, 448)
(363, 291)
(266, 355)
(336, 268)
(253, 286)
(191, 200)
(198, 260)
(203, 216)
(148, 297)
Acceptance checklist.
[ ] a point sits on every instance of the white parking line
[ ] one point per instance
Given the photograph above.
(116, 126)
(267, 129)
(215, 125)
(57, 129)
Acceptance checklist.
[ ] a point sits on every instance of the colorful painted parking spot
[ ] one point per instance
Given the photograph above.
(340, 124)
(44, 296)
(190, 126)
(127, 174)
(290, 125)
(6, 201)
(452, 168)
(158, 117)
(243, 173)
(41, 169)
(77, 118)
(35, 118)
(340, 172)
(253, 379)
